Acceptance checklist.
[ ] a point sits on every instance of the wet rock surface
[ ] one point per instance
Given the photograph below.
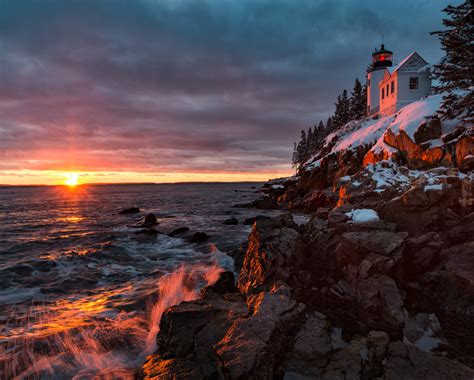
(329, 299)
(335, 298)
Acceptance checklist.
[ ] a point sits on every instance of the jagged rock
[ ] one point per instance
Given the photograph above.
(313, 201)
(158, 368)
(338, 214)
(377, 342)
(379, 241)
(231, 222)
(131, 210)
(467, 163)
(252, 346)
(323, 212)
(225, 284)
(189, 331)
(429, 130)
(408, 362)
(464, 148)
(421, 254)
(238, 256)
(417, 210)
(311, 348)
(270, 254)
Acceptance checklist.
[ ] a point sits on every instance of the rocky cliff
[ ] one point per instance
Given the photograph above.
(379, 283)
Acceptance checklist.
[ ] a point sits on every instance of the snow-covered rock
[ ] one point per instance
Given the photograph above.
(415, 123)
(363, 215)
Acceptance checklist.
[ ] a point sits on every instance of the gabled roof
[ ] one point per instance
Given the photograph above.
(404, 62)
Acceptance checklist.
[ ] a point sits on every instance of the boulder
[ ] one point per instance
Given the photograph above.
(130, 210)
(225, 284)
(311, 349)
(404, 361)
(429, 130)
(253, 346)
(188, 333)
(231, 222)
(378, 241)
(178, 231)
(273, 245)
(198, 237)
(149, 220)
(464, 148)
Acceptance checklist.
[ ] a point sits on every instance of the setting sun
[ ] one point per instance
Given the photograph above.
(71, 180)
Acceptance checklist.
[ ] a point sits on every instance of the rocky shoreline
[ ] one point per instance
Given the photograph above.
(378, 284)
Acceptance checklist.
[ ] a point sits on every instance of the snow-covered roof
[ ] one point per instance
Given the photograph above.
(404, 61)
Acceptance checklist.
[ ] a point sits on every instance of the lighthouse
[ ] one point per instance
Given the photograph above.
(381, 59)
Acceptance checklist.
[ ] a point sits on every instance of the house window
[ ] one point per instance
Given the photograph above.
(413, 83)
(383, 93)
(392, 87)
(386, 91)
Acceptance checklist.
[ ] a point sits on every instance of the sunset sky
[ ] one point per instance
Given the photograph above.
(175, 90)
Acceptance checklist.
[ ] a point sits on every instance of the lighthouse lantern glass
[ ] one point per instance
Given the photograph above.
(382, 57)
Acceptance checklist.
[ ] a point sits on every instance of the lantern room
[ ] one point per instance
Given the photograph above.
(381, 58)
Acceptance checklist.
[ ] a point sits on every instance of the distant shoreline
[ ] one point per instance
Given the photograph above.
(137, 184)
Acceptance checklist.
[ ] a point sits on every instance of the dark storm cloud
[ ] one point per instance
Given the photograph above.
(185, 85)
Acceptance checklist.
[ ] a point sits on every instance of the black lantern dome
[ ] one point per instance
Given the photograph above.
(381, 58)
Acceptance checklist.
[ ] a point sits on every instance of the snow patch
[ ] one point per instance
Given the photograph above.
(363, 215)
(438, 186)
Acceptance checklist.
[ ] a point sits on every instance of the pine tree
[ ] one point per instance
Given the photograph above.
(309, 141)
(302, 150)
(329, 127)
(455, 72)
(294, 157)
(358, 101)
(342, 113)
(345, 108)
(337, 117)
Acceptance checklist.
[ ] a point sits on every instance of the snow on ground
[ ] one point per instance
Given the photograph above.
(438, 186)
(370, 131)
(363, 215)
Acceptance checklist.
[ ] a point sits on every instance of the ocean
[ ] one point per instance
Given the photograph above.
(82, 293)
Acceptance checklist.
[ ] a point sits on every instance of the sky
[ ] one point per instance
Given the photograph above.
(183, 90)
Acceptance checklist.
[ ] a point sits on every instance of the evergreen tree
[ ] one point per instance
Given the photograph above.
(345, 108)
(320, 136)
(337, 118)
(302, 150)
(455, 72)
(294, 157)
(329, 127)
(309, 141)
(342, 114)
(358, 101)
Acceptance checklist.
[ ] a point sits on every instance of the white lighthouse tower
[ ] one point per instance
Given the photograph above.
(381, 59)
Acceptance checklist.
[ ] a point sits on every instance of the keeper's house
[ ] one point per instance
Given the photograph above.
(391, 88)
